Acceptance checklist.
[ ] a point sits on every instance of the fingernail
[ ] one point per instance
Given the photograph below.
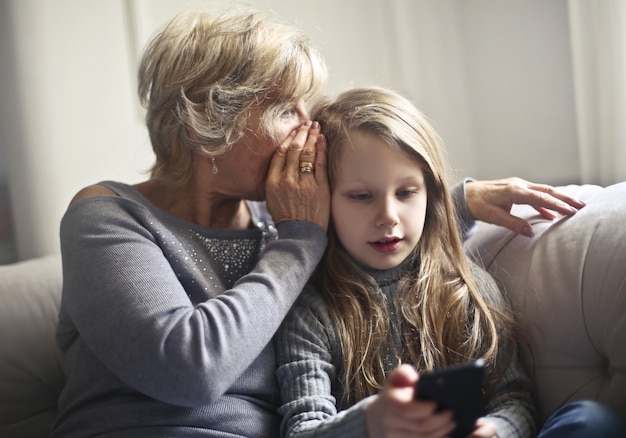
(315, 125)
(528, 232)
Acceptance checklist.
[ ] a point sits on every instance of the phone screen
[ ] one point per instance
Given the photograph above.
(457, 388)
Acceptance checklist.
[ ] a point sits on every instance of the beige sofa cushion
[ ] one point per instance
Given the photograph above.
(569, 284)
(30, 369)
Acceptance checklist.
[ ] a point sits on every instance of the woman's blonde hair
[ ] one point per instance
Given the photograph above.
(445, 319)
(202, 74)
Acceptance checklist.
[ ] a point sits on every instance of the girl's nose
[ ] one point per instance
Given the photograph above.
(387, 214)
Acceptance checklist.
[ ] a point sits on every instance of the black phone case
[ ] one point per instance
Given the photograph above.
(457, 388)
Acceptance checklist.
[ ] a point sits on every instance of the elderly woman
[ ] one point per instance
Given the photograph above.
(174, 287)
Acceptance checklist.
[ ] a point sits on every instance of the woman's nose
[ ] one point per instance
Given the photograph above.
(302, 112)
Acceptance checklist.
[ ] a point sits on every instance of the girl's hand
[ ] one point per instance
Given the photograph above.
(297, 183)
(484, 429)
(394, 413)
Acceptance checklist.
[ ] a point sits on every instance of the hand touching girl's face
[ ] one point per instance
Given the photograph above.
(378, 202)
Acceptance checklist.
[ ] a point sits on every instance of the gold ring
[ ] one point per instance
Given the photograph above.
(306, 167)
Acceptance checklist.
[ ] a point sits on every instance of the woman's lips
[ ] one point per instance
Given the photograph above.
(386, 246)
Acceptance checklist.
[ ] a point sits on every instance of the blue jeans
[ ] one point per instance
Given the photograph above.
(584, 419)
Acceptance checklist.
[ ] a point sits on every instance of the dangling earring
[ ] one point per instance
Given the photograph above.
(214, 165)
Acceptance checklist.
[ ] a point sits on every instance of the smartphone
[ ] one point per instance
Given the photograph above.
(456, 388)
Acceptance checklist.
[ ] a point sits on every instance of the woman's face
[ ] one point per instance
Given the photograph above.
(378, 202)
(247, 163)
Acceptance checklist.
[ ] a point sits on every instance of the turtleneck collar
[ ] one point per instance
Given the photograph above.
(387, 276)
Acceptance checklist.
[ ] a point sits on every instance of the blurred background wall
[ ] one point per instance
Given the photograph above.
(527, 88)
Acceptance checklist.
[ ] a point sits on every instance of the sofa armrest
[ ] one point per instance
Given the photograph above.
(31, 376)
(568, 285)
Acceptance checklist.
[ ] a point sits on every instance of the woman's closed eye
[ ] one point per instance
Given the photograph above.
(289, 113)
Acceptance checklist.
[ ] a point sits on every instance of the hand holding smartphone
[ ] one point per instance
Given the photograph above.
(458, 389)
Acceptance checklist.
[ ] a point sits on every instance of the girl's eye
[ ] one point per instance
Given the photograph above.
(406, 193)
(360, 196)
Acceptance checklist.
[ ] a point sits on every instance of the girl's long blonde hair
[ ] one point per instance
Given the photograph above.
(445, 319)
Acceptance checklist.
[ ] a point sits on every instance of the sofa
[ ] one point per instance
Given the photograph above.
(31, 376)
(567, 284)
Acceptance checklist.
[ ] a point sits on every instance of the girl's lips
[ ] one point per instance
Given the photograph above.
(386, 246)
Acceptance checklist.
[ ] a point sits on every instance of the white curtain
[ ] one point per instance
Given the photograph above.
(494, 76)
(598, 33)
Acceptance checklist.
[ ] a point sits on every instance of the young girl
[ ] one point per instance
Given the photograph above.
(394, 287)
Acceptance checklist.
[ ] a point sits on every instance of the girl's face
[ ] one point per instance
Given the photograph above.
(248, 161)
(378, 202)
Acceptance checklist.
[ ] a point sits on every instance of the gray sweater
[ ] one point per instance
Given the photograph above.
(165, 326)
(310, 361)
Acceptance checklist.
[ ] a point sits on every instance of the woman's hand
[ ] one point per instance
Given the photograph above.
(394, 413)
(297, 182)
(491, 201)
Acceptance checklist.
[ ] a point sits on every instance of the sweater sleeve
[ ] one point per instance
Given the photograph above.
(309, 360)
(131, 310)
(465, 219)
(511, 405)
